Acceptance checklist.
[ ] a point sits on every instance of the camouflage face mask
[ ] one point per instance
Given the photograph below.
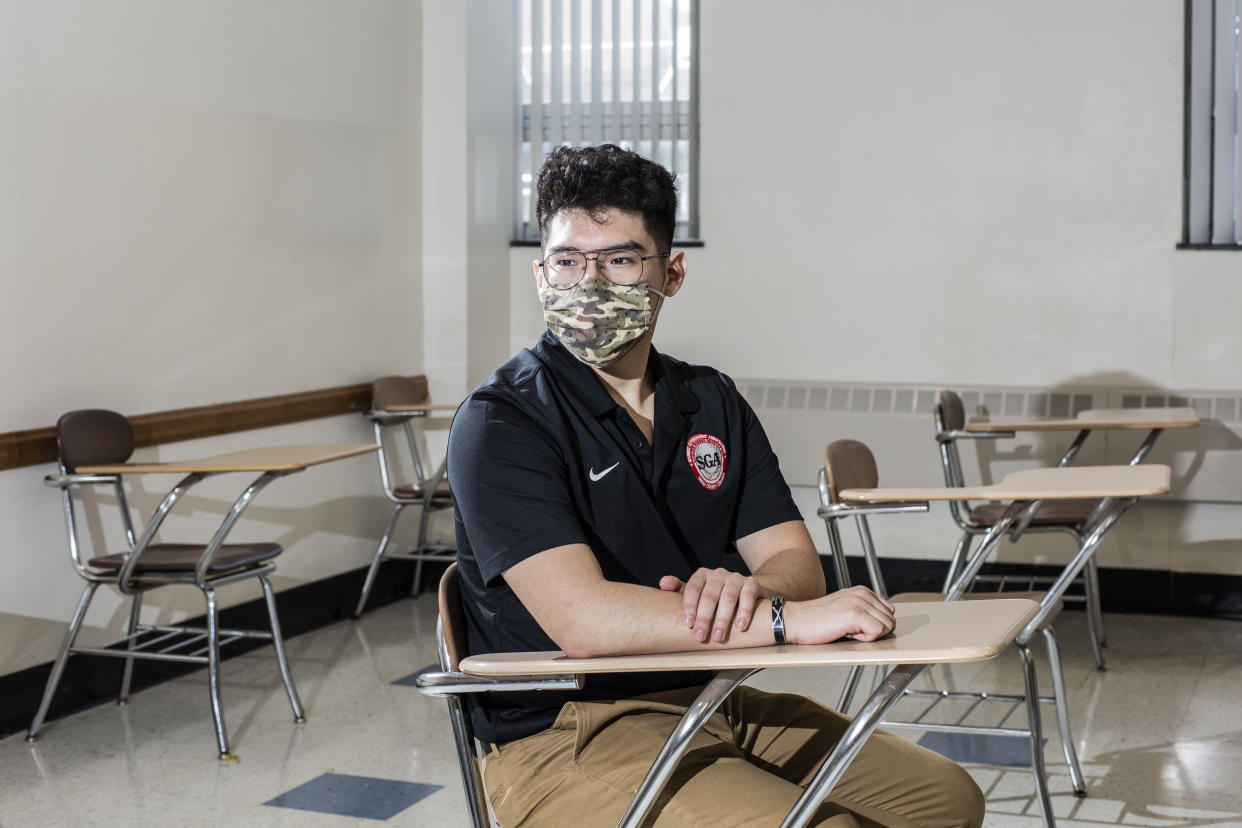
(598, 322)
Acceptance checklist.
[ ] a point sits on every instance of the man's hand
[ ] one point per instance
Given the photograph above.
(713, 599)
(857, 612)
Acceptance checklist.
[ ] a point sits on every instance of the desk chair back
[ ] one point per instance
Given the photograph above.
(849, 464)
(393, 409)
(950, 417)
(93, 437)
(88, 437)
(451, 629)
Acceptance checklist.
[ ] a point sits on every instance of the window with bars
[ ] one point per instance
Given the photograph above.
(622, 72)
(1213, 172)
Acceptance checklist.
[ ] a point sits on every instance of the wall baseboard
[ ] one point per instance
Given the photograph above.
(92, 681)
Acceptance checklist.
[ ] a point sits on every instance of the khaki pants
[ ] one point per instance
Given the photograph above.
(746, 767)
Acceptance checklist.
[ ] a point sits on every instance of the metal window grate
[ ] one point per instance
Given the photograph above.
(623, 72)
(1213, 166)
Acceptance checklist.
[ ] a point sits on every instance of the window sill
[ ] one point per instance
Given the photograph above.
(1233, 247)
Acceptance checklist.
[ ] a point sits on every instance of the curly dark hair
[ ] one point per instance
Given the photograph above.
(595, 179)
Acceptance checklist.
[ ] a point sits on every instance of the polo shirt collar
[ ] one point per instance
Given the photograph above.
(585, 385)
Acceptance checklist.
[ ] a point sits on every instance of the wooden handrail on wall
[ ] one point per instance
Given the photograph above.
(35, 446)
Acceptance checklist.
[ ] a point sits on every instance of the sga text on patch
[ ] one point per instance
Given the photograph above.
(707, 458)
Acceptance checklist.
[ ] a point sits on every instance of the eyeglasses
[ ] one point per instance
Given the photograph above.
(621, 266)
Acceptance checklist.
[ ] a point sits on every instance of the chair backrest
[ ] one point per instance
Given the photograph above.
(387, 392)
(93, 436)
(950, 416)
(452, 618)
(950, 413)
(849, 464)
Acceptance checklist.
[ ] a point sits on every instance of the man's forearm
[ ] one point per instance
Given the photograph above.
(617, 618)
(792, 573)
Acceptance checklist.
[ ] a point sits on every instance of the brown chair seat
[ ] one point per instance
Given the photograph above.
(910, 597)
(416, 490)
(183, 557)
(1050, 513)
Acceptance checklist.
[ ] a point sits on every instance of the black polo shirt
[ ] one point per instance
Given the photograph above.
(540, 456)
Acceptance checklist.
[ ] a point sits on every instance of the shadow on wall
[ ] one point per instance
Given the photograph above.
(1206, 466)
(1102, 390)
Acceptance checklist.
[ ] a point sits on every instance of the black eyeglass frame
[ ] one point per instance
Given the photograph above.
(601, 269)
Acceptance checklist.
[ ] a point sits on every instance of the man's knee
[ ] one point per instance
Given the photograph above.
(963, 793)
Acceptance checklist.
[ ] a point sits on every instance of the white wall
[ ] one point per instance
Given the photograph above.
(202, 201)
(957, 194)
(207, 201)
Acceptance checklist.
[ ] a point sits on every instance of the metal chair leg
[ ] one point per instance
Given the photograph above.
(213, 673)
(959, 557)
(299, 715)
(468, 764)
(1095, 615)
(1062, 706)
(134, 610)
(58, 668)
(1037, 735)
(847, 692)
(379, 557)
(421, 548)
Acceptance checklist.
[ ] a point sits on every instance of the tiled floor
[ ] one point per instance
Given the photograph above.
(1159, 734)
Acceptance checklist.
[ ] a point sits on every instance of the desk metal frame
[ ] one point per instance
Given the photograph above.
(454, 683)
(1114, 503)
(173, 642)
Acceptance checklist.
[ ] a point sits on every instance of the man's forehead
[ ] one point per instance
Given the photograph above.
(597, 230)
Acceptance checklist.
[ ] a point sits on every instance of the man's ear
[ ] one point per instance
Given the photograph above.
(538, 271)
(676, 273)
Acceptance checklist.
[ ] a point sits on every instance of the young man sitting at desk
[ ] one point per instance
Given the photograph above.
(598, 485)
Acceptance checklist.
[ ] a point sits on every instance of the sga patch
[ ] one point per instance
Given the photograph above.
(706, 456)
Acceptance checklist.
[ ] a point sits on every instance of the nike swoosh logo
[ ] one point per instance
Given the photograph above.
(595, 477)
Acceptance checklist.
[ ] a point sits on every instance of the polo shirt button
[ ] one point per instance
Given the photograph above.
(638, 444)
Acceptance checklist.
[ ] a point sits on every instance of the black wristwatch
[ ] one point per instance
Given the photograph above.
(778, 619)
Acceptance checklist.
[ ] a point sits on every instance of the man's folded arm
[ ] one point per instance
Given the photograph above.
(586, 615)
(783, 560)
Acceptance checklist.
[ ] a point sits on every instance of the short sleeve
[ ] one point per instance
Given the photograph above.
(765, 498)
(510, 486)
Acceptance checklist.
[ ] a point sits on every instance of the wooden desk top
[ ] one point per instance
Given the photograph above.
(927, 633)
(1095, 418)
(270, 458)
(1056, 483)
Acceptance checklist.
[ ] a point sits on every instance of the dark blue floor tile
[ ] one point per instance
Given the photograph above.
(355, 796)
(1012, 751)
(408, 681)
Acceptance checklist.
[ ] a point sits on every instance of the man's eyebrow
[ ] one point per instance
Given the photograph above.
(625, 245)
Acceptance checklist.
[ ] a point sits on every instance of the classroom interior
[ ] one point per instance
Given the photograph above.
(204, 202)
